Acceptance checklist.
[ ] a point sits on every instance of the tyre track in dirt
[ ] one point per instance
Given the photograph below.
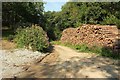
(64, 62)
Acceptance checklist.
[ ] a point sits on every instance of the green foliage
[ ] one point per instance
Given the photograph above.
(112, 20)
(74, 14)
(22, 12)
(96, 49)
(82, 48)
(10, 37)
(32, 37)
(7, 34)
(106, 52)
(56, 43)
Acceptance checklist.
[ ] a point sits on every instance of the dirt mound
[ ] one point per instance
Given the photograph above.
(92, 35)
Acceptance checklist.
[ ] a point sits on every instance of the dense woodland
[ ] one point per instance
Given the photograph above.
(73, 14)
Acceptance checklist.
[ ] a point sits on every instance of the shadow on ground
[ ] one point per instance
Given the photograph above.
(94, 67)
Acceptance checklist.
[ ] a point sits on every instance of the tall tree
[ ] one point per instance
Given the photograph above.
(22, 12)
(74, 14)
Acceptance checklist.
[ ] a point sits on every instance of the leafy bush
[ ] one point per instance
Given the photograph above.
(112, 20)
(32, 38)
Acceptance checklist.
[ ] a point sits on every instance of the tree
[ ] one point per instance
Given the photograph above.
(22, 12)
(74, 14)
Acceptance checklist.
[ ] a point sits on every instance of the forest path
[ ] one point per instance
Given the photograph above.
(64, 62)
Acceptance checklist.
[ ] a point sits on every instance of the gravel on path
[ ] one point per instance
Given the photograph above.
(14, 61)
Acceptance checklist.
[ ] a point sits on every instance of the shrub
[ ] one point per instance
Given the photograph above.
(32, 38)
(112, 20)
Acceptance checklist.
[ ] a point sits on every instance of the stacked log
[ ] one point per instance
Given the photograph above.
(92, 35)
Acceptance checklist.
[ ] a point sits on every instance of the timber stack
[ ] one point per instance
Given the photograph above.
(92, 35)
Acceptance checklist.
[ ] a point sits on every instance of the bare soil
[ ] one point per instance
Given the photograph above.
(64, 62)
(7, 45)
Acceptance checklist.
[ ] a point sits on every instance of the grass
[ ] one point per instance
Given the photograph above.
(102, 51)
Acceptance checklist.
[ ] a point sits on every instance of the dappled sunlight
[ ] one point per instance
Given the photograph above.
(74, 67)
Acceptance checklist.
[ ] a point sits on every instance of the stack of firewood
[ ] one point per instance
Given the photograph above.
(92, 35)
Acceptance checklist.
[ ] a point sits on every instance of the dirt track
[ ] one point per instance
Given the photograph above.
(64, 62)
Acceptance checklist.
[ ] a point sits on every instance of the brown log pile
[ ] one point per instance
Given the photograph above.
(92, 35)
